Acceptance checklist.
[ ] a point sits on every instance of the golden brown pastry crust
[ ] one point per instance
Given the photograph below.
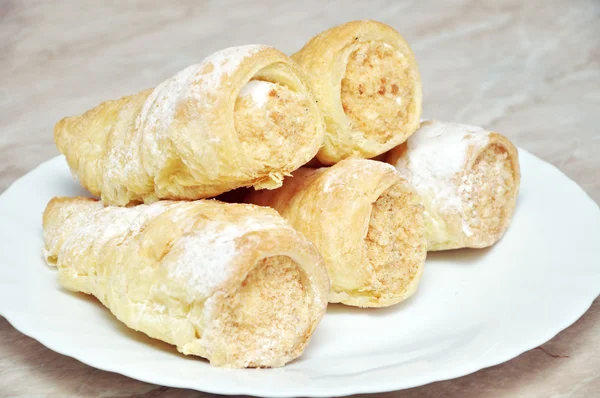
(366, 221)
(469, 180)
(179, 141)
(367, 83)
(217, 280)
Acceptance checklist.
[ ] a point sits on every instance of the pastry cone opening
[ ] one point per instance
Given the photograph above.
(488, 194)
(232, 283)
(378, 91)
(468, 178)
(271, 301)
(366, 221)
(273, 122)
(199, 133)
(395, 243)
(367, 83)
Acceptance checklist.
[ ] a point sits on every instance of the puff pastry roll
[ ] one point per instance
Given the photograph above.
(366, 221)
(367, 83)
(242, 117)
(232, 283)
(468, 178)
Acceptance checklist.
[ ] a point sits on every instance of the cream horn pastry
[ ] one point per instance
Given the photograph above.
(232, 283)
(367, 83)
(366, 221)
(468, 178)
(242, 117)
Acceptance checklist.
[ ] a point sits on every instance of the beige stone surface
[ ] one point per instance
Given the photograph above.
(529, 69)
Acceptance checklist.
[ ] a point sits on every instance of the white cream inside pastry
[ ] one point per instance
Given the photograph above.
(485, 191)
(377, 91)
(366, 81)
(270, 302)
(273, 122)
(394, 241)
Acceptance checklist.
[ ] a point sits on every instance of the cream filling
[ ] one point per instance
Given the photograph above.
(273, 122)
(377, 91)
(266, 320)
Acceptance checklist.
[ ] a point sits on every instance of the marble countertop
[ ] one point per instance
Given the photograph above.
(530, 70)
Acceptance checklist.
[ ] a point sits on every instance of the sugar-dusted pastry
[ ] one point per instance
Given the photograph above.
(367, 83)
(366, 221)
(242, 117)
(232, 283)
(468, 178)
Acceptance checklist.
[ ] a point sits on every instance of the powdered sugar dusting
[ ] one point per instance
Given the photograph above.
(227, 61)
(147, 213)
(198, 81)
(337, 177)
(437, 153)
(204, 258)
(159, 108)
(85, 227)
(384, 166)
(258, 90)
(120, 162)
(215, 68)
(89, 231)
(58, 231)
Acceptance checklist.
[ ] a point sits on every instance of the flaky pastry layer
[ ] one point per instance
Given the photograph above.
(366, 221)
(367, 83)
(469, 180)
(242, 117)
(232, 283)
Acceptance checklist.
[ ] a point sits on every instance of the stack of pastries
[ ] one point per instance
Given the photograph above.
(246, 284)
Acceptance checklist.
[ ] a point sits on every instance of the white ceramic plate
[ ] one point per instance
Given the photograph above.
(473, 309)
